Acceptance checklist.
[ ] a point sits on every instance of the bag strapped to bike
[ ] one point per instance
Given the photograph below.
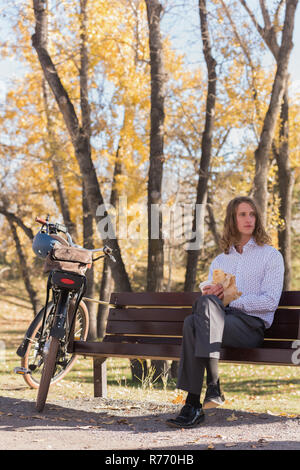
(72, 259)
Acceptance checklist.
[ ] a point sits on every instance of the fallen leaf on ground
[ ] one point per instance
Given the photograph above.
(178, 400)
(232, 418)
(263, 439)
(122, 421)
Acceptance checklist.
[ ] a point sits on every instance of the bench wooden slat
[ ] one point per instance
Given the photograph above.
(145, 328)
(288, 298)
(283, 344)
(282, 315)
(258, 355)
(172, 352)
(149, 314)
(154, 298)
(285, 315)
(282, 331)
(143, 351)
(277, 344)
(143, 339)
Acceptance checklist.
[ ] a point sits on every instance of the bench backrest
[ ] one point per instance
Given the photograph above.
(286, 324)
(161, 314)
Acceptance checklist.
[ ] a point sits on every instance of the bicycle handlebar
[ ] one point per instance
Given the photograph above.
(41, 221)
(52, 227)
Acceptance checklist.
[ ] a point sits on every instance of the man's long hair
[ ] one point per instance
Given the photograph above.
(230, 232)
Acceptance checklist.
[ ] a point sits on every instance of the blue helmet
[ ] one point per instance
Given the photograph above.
(43, 243)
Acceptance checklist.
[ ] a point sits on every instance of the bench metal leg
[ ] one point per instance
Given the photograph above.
(100, 379)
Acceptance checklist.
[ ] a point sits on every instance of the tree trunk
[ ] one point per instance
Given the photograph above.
(282, 55)
(15, 219)
(54, 151)
(25, 269)
(81, 143)
(285, 176)
(206, 146)
(285, 186)
(155, 270)
(88, 231)
(105, 291)
(212, 225)
(88, 243)
(106, 279)
(155, 267)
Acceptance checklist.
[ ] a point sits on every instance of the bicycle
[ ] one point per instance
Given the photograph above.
(46, 349)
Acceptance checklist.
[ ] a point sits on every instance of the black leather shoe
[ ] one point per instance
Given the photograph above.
(213, 396)
(188, 417)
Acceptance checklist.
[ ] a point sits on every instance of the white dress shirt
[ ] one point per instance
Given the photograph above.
(259, 272)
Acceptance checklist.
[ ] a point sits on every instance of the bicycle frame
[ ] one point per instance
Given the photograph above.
(58, 328)
(65, 286)
(22, 349)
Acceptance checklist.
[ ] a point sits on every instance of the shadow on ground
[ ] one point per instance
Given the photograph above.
(123, 416)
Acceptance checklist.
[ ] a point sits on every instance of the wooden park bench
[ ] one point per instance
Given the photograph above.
(148, 325)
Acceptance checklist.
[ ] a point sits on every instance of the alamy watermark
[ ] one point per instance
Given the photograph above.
(296, 353)
(169, 222)
(2, 352)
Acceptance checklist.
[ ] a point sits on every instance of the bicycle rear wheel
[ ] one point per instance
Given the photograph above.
(34, 357)
(47, 373)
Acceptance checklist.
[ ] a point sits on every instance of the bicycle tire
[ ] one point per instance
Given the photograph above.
(47, 373)
(32, 379)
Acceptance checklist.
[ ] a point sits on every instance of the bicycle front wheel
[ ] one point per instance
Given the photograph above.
(47, 373)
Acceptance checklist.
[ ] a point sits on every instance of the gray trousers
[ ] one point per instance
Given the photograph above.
(210, 327)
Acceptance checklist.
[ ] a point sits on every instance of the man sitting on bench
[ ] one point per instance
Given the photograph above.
(259, 270)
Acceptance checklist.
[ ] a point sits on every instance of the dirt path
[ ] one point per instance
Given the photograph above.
(97, 423)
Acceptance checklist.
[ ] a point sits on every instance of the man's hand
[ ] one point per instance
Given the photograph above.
(214, 289)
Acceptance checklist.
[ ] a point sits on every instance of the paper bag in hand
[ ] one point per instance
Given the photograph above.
(228, 282)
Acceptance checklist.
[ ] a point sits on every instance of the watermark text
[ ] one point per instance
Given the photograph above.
(176, 223)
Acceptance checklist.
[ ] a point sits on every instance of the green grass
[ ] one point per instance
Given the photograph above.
(255, 388)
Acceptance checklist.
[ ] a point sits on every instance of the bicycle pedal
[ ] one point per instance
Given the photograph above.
(21, 370)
